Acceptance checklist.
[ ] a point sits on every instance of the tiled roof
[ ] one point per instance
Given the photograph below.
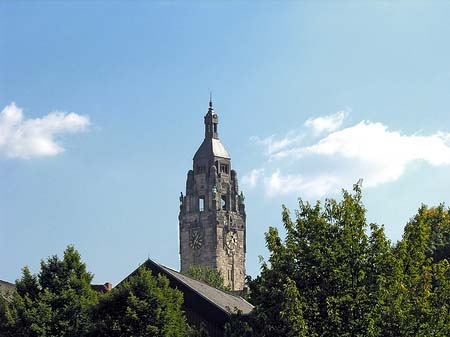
(225, 301)
(7, 290)
(211, 147)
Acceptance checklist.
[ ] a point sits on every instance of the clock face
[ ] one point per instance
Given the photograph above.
(231, 240)
(196, 240)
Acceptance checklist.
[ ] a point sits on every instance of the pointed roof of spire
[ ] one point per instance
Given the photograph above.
(210, 108)
(211, 146)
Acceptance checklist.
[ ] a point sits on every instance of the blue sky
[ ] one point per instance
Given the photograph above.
(109, 99)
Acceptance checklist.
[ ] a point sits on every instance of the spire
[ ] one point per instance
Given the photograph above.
(211, 121)
(210, 102)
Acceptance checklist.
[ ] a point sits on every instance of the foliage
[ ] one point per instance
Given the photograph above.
(332, 275)
(237, 327)
(336, 275)
(143, 305)
(199, 330)
(207, 275)
(59, 301)
(6, 318)
(56, 302)
(437, 221)
(424, 275)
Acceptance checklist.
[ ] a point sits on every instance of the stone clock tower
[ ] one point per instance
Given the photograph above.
(212, 213)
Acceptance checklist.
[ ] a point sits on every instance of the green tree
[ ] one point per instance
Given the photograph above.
(207, 275)
(56, 302)
(198, 330)
(7, 319)
(143, 305)
(439, 313)
(437, 221)
(274, 294)
(322, 279)
(237, 327)
(385, 289)
(425, 274)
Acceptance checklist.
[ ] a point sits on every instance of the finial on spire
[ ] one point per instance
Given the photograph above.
(210, 99)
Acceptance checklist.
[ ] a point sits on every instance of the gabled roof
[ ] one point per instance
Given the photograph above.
(226, 301)
(203, 298)
(7, 290)
(211, 147)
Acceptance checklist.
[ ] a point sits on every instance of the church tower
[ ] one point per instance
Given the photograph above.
(212, 213)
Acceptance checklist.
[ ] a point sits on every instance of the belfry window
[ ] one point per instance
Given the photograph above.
(215, 127)
(201, 203)
(223, 202)
(224, 168)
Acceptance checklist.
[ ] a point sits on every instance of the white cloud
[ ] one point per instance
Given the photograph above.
(384, 154)
(271, 145)
(366, 150)
(313, 186)
(27, 138)
(327, 123)
(253, 177)
(276, 183)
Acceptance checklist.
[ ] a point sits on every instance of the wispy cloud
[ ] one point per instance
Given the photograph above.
(253, 177)
(339, 158)
(272, 145)
(327, 123)
(28, 138)
(310, 186)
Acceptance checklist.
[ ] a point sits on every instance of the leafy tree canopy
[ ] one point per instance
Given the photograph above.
(56, 302)
(336, 275)
(143, 305)
(207, 275)
(333, 274)
(437, 225)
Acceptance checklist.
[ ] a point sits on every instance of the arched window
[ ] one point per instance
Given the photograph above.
(201, 203)
(224, 168)
(223, 202)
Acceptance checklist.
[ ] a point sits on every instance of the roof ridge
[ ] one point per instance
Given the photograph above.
(199, 293)
(199, 281)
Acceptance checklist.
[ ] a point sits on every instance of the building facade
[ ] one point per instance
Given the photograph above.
(212, 221)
